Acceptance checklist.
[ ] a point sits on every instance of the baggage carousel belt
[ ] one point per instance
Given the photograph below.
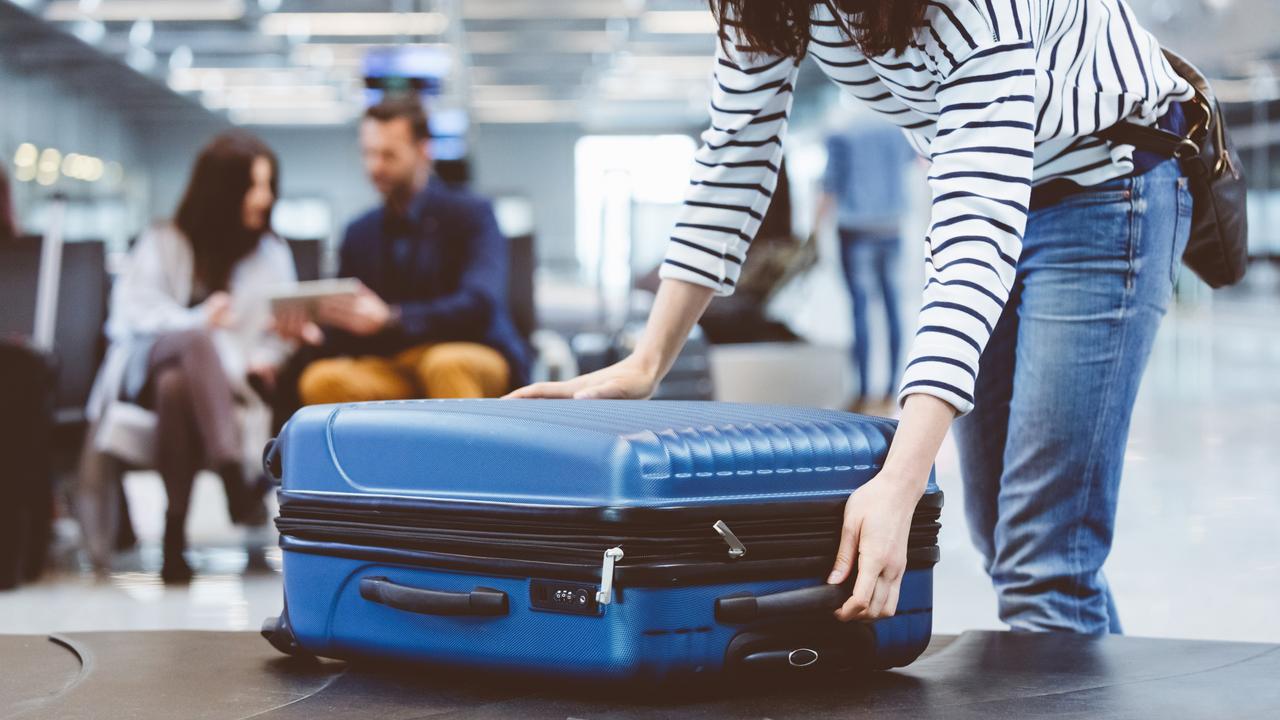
(215, 675)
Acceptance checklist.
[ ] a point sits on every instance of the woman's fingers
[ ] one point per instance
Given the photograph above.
(331, 313)
(863, 590)
(879, 597)
(891, 604)
(311, 333)
(608, 390)
(542, 390)
(847, 551)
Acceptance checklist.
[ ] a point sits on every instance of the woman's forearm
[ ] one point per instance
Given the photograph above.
(675, 311)
(924, 423)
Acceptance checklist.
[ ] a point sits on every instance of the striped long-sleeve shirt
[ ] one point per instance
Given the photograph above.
(998, 94)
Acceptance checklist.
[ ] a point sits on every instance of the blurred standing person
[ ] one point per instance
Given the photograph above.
(863, 185)
(190, 328)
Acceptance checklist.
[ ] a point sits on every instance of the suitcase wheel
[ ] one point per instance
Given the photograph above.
(279, 633)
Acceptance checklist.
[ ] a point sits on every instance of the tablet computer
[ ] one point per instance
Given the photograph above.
(305, 295)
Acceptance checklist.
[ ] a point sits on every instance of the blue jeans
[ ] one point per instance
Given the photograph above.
(866, 256)
(1043, 449)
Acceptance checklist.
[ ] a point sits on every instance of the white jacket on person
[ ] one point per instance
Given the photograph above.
(153, 296)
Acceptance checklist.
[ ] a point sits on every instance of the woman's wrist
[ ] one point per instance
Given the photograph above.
(675, 311)
(911, 483)
(921, 429)
(647, 362)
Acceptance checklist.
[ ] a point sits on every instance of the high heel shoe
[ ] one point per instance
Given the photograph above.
(175, 570)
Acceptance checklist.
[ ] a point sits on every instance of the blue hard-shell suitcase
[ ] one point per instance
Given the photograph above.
(603, 539)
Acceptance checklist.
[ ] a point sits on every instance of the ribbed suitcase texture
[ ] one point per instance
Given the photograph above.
(576, 537)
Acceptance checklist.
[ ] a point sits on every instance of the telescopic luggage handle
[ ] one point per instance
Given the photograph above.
(482, 602)
(804, 601)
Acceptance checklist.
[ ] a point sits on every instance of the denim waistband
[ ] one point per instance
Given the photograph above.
(1175, 121)
(1055, 191)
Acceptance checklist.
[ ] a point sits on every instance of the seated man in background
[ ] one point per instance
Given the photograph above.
(431, 319)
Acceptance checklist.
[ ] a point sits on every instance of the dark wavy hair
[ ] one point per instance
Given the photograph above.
(781, 27)
(211, 214)
(8, 223)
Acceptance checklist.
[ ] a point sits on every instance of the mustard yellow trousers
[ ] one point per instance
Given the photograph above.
(433, 370)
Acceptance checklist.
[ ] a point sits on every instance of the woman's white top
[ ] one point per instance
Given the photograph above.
(998, 94)
(153, 296)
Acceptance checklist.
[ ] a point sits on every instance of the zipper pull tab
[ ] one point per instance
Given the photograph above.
(736, 548)
(611, 557)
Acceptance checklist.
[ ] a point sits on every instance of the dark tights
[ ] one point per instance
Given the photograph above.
(195, 410)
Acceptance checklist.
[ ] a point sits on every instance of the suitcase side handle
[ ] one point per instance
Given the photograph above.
(271, 463)
(804, 601)
(482, 602)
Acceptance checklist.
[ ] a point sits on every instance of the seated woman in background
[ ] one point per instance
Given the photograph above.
(191, 329)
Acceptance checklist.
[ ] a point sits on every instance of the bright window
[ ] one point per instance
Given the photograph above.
(629, 190)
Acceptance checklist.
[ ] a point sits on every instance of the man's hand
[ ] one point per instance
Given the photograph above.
(295, 325)
(364, 314)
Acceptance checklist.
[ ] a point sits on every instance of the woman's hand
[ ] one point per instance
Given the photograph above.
(675, 310)
(217, 310)
(629, 379)
(877, 516)
(877, 521)
(265, 374)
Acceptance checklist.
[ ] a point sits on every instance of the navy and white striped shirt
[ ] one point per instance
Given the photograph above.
(998, 94)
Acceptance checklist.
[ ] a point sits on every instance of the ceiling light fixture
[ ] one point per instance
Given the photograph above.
(682, 22)
(140, 59)
(156, 10)
(563, 41)
(330, 115)
(353, 24)
(26, 156)
(540, 9)
(525, 111)
(141, 32)
(325, 55)
(91, 32)
(181, 58)
(49, 164)
(501, 93)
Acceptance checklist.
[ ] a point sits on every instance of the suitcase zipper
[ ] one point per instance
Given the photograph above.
(790, 538)
(736, 548)
(605, 595)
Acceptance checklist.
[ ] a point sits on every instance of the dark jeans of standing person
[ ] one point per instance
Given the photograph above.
(872, 259)
(196, 428)
(1043, 449)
